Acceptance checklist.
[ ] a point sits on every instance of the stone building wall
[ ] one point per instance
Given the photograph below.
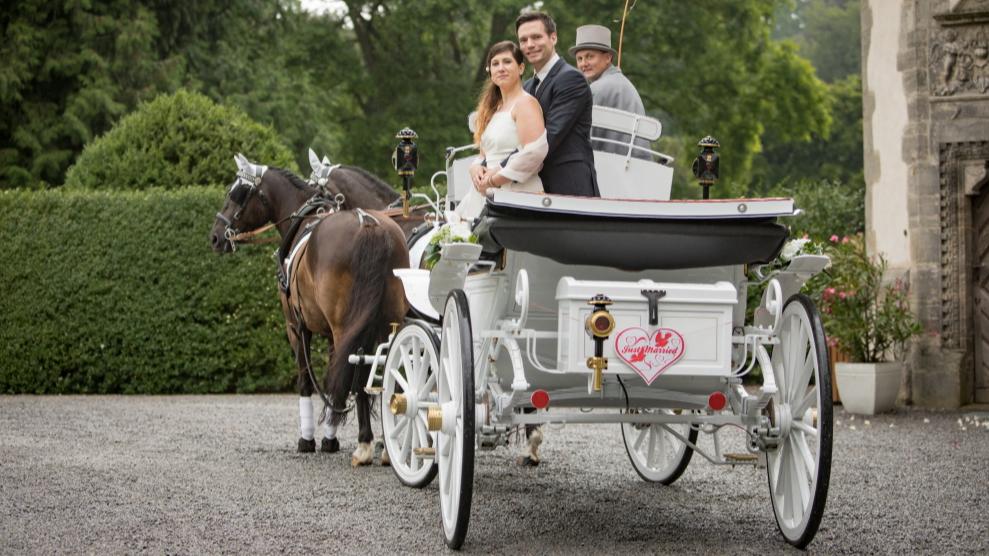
(925, 66)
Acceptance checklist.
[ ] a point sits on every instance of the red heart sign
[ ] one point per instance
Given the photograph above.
(649, 355)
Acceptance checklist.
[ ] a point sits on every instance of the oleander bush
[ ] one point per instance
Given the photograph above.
(173, 141)
(119, 292)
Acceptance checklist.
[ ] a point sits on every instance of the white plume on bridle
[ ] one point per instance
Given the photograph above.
(321, 169)
(249, 172)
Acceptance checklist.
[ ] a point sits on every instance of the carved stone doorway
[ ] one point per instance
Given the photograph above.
(980, 286)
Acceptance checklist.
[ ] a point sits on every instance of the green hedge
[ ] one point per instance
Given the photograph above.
(176, 140)
(120, 293)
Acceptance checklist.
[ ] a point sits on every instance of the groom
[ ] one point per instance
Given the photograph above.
(566, 99)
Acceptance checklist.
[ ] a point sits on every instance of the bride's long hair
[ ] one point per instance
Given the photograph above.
(487, 105)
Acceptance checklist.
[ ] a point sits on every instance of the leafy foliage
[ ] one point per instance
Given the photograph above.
(827, 32)
(834, 156)
(869, 319)
(829, 208)
(172, 141)
(118, 292)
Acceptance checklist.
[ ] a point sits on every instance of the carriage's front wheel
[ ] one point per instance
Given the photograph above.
(409, 383)
(658, 455)
(455, 387)
(800, 466)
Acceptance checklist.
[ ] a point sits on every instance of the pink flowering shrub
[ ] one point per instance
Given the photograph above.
(869, 319)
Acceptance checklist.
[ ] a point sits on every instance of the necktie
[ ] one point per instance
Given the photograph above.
(535, 84)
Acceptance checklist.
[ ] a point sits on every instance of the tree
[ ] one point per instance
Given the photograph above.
(71, 69)
(174, 141)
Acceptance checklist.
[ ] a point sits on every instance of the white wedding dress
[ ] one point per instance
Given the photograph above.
(499, 140)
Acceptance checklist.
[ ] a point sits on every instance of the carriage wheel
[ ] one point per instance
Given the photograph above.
(799, 467)
(657, 455)
(455, 386)
(410, 372)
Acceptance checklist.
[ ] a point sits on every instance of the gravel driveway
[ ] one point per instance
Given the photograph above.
(220, 474)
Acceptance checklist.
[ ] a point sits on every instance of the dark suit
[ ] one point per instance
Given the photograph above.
(567, 103)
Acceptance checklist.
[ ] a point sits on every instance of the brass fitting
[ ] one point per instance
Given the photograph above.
(398, 404)
(434, 419)
(598, 364)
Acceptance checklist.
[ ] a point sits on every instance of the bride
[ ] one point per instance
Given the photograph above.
(510, 132)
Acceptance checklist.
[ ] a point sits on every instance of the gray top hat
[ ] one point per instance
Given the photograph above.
(593, 37)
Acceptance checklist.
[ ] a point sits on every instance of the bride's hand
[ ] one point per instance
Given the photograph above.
(477, 175)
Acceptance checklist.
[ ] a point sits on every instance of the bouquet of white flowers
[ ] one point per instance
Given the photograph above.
(792, 249)
(456, 230)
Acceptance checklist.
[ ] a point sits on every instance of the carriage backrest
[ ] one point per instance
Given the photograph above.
(620, 176)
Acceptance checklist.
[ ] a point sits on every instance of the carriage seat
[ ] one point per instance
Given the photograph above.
(639, 234)
(620, 176)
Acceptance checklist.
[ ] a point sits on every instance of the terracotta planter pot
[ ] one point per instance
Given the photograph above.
(836, 355)
(869, 388)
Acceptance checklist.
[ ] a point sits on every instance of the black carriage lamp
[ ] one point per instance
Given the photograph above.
(405, 159)
(706, 164)
(599, 325)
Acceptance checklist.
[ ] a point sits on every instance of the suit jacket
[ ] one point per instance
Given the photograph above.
(567, 105)
(614, 90)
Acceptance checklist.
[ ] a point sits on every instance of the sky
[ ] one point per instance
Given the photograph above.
(322, 6)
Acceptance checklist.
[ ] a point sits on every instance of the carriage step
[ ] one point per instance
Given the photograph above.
(741, 458)
(425, 452)
(374, 390)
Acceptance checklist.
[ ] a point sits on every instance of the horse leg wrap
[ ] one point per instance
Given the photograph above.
(306, 427)
(331, 431)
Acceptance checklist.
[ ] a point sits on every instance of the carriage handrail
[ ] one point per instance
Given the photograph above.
(667, 160)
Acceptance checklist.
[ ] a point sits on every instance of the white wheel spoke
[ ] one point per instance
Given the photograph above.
(779, 472)
(428, 387)
(407, 445)
(399, 379)
(399, 428)
(639, 438)
(803, 405)
(808, 459)
(805, 428)
(651, 454)
(802, 374)
(414, 461)
(801, 488)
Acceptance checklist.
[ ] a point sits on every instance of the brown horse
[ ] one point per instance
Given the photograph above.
(340, 286)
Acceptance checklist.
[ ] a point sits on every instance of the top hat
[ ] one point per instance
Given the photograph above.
(593, 37)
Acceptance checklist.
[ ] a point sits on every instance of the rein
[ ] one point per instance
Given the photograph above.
(250, 237)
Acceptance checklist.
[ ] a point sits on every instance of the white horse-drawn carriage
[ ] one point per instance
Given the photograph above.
(629, 309)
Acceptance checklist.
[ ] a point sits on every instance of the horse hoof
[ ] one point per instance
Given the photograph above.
(307, 446)
(385, 460)
(329, 445)
(526, 461)
(363, 455)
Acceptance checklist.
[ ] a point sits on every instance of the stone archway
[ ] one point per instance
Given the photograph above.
(980, 289)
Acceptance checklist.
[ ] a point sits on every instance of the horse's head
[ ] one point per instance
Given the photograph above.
(245, 208)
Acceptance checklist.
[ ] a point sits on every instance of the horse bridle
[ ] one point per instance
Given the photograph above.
(240, 194)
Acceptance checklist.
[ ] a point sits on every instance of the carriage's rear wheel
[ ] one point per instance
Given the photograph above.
(800, 466)
(409, 382)
(658, 455)
(455, 386)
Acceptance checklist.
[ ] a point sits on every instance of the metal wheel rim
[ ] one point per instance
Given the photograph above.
(653, 449)
(414, 353)
(450, 445)
(794, 465)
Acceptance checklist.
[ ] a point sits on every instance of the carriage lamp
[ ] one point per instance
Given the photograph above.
(599, 325)
(706, 164)
(405, 159)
